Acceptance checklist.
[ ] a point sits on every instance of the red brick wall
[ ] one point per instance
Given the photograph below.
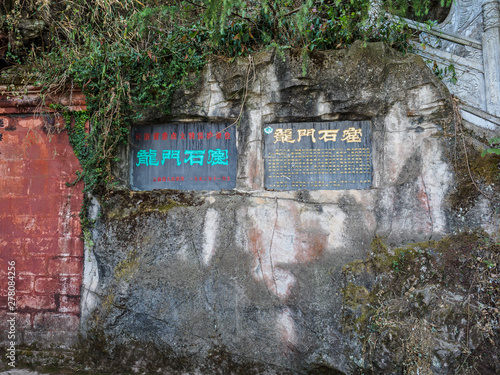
(39, 224)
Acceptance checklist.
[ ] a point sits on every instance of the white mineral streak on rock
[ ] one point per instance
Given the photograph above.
(436, 178)
(423, 101)
(436, 175)
(202, 100)
(216, 98)
(217, 104)
(287, 232)
(90, 281)
(323, 107)
(284, 281)
(334, 226)
(254, 172)
(398, 145)
(404, 140)
(183, 252)
(210, 232)
(270, 96)
(326, 196)
(270, 245)
(396, 116)
(286, 327)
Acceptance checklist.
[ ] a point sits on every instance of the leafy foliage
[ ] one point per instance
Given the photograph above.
(129, 55)
(495, 147)
(446, 72)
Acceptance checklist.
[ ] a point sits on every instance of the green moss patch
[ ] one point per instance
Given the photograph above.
(125, 204)
(425, 305)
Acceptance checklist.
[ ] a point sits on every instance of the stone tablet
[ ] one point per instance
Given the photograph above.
(186, 156)
(318, 155)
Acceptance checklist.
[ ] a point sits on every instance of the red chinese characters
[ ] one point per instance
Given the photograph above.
(181, 136)
(169, 178)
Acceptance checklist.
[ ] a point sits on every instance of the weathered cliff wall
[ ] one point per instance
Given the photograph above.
(257, 274)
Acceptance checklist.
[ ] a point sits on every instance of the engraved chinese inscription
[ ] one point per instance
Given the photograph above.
(315, 156)
(190, 156)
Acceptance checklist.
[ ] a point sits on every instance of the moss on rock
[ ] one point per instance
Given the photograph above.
(127, 204)
(425, 306)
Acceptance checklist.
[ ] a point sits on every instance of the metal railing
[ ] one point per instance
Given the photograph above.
(467, 46)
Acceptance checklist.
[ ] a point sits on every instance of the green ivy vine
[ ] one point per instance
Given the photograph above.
(494, 147)
(131, 55)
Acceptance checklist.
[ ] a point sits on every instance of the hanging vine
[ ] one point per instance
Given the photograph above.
(131, 55)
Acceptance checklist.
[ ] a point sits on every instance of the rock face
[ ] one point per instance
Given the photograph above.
(256, 274)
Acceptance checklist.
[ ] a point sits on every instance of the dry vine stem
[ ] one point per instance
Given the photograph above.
(249, 67)
(458, 122)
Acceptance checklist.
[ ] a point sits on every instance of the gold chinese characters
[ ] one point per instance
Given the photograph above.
(329, 135)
